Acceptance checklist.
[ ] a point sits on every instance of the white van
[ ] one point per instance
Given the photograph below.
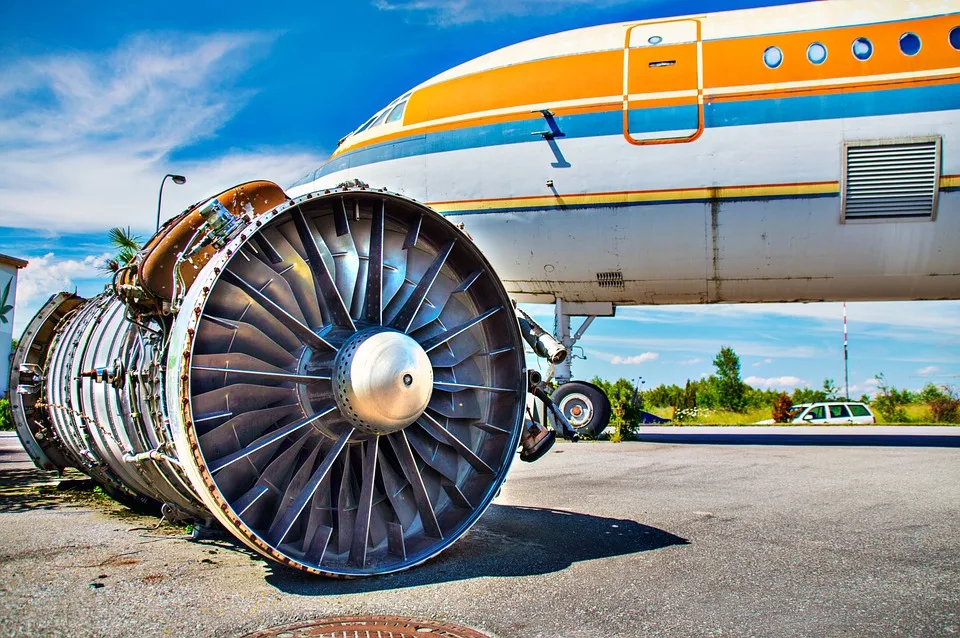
(832, 412)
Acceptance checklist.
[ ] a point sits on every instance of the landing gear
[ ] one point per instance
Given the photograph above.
(584, 405)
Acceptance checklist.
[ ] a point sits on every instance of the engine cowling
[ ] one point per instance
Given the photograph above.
(338, 379)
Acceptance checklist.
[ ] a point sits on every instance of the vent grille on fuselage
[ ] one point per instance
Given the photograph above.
(891, 180)
(611, 279)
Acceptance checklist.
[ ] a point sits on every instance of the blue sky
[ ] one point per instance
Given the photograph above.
(99, 100)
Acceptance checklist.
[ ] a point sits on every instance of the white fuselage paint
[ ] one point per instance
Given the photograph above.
(696, 252)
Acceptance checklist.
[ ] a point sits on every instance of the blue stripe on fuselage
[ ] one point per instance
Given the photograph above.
(721, 114)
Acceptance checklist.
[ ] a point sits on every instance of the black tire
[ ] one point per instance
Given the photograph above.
(585, 396)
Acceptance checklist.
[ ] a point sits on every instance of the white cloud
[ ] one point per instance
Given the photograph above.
(762, 363)
(636, 359)
(775, 382)
(690, 362)
(929, 371)
(47, 275)
(935, 319)
(452, 12)
(867, 386)
(742, 348)
(86, 138)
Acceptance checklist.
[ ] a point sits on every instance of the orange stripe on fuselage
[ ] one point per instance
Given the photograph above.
(575, 77)
(739, 62)
(727, 64)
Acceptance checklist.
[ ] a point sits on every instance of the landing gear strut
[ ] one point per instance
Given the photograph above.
(583, 404)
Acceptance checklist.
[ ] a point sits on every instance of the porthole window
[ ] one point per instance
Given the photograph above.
(817, 53)
(773, 57)
(910, 43)
(955, 38)
(862, 49)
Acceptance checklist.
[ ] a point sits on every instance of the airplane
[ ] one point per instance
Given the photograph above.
(335, 372)
(791, 153)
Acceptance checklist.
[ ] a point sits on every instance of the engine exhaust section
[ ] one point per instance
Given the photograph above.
(338, 380)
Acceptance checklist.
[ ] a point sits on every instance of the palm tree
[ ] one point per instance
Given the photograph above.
(4, 306)
(127, 245)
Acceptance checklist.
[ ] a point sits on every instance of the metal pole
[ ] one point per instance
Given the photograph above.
(160, 198)
(846, 356)
(177, 179)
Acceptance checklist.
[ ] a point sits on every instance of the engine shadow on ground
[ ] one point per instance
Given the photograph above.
(508, 541)
(27, 489)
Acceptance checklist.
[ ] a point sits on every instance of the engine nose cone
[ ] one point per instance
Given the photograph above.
(382, 381)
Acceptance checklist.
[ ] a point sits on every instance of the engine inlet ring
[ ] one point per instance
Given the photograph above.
(278, 449)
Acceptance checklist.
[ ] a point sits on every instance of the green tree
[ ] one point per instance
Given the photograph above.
(625, 394)
(708, 393)
(890, 402)
(729, 387)
(808, 395)
(688, 399)
(830, 390)
(943, 401)
(932, 392)
(6, 417)
(126, 244)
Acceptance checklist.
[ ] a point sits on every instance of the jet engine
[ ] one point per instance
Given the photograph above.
(337, 379)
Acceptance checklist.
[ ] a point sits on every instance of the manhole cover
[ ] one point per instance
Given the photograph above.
(369, 627)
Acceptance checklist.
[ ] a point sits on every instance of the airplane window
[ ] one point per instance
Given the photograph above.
(773, 57)
(910, 43)
(397, 112)
(816, 53)
(955, 38)
(862, 49)
(366, 125)
(380, 118)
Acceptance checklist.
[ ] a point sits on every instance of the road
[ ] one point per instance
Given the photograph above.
(597, 539)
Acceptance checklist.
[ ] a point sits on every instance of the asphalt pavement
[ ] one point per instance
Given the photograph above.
(820, 435)
(596, 539)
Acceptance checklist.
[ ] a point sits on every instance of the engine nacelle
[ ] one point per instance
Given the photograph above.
(339, 379)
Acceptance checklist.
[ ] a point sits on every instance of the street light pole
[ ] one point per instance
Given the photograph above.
(177, 179)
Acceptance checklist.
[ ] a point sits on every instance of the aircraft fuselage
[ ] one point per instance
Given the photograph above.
(798, 153)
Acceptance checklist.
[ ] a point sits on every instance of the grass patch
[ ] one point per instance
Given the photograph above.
(717, 417)
(917, 414)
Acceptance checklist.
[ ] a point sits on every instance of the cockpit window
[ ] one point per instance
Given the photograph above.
(392, 113)
(366, 124)
(397, 112)
(380, 118)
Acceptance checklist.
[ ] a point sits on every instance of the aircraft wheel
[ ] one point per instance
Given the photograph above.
(353, 388)
(585, 406)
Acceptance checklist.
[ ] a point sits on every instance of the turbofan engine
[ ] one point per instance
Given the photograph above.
(338, 379)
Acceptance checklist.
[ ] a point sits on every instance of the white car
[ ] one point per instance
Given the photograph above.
(834, 412)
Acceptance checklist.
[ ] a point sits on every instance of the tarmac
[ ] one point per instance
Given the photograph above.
(596, 539)
(820, 435)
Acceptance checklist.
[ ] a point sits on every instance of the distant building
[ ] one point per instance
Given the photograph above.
(9, 267)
